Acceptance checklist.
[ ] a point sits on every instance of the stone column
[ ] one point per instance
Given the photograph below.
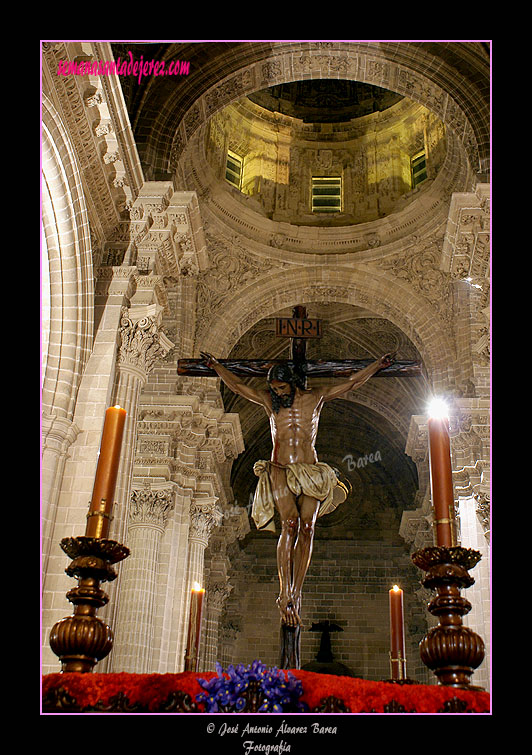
(58, 434)
(217, 593)
(204, 516)
(474, 530)
(141, 345)
(218, 566)
(148, 515)
(70, 488)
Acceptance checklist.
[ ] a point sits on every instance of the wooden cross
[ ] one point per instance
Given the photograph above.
(299, 328)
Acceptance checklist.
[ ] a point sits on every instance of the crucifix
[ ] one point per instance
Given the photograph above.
(298, 329)
(293, 481)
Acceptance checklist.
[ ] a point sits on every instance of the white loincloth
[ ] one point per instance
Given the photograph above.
(318, 481)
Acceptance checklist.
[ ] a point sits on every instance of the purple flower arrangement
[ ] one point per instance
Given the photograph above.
(279, 691)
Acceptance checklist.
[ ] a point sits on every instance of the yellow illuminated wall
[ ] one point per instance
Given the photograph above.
(372, 155)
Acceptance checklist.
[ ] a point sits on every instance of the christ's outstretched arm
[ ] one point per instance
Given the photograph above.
(358, 378)
(234, 383)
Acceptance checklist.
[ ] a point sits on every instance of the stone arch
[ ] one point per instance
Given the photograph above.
(385, 296)
(67, 254)
(405, 68)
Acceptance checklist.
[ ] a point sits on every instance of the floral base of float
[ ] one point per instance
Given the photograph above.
(249, 689)
(449, 649)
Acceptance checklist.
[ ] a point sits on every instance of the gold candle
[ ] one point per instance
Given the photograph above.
(441, 474)
(397, 634)
(194, 627)
(99, 516)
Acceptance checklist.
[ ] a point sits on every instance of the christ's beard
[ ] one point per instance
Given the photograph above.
(285, 401)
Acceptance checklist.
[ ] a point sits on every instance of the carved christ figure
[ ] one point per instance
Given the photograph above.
(293, 481)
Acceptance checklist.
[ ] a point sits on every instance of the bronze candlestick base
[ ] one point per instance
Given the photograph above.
(449, 649)
(81, 640)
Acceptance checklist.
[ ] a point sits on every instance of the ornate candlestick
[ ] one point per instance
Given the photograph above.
(81, 640)
(449, 649)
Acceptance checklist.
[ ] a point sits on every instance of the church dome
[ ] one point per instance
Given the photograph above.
(325, 153)
(325, 100)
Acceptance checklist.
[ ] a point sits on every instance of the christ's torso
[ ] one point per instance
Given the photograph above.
(294, 429)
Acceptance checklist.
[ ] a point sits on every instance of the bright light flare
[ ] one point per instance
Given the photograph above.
(438, 409)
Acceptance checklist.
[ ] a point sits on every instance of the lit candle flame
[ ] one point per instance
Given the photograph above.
(395, 588)
(196, 587)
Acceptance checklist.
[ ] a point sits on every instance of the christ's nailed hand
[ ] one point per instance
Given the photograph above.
(387, 359)
(209, 359)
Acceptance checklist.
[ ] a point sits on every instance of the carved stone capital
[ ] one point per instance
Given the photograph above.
(217, 594)
(142, 343)
(150, 508)
(204, 517)
(58, 433)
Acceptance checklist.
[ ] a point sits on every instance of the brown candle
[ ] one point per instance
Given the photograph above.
(194, 628)
(397, 635)
(99, 516)
(441, 478)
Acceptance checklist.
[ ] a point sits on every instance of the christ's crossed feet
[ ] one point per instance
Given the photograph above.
(289, 609)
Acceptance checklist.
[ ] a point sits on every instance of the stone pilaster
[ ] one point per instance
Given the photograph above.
(217, 593)
(134, 638)
(141, 345)
(184, 440)
(204, 517)
(466, 257)
(473, 535)
(416, 527)
(234, 527)
(58, 434)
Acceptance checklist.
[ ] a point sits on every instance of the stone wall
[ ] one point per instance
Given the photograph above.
(347, 583)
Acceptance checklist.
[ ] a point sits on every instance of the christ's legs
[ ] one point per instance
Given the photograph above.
(294, 549)
(285, 566)
(308, 511)
(285, 501)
